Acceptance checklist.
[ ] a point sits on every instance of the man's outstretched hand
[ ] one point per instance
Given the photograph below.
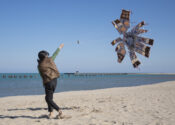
(61, 46)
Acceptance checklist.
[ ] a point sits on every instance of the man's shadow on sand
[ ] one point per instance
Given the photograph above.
(30, 117)
(35, 109)
(23, 116)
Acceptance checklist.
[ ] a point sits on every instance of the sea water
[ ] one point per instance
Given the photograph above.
(13, 84)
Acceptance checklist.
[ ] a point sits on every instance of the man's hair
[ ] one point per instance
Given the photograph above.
(42, 54)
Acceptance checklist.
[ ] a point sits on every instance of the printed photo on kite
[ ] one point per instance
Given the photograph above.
(131, 39)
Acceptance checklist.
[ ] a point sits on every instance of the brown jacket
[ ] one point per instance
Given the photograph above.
(48, 70)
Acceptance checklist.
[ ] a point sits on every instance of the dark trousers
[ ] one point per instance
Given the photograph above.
(49, 90)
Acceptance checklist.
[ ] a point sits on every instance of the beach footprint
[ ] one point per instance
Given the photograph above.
(64, 117)
(96, 110)
(103, 100)
(157, 122)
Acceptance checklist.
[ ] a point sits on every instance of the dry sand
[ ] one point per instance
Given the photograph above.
(141, 105)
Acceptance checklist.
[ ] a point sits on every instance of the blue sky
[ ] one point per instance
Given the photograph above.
(28, 26)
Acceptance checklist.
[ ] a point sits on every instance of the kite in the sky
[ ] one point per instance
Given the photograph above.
(131, 39)
(78, 42)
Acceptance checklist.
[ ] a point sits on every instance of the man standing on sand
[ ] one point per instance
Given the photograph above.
(49, 74)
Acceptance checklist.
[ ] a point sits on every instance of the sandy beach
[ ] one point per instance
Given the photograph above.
(140, 105)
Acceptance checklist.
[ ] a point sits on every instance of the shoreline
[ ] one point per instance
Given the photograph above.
(102, 73)
(88, 89)
(137, 105)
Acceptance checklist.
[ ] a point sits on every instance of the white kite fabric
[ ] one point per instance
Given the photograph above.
(131, 39)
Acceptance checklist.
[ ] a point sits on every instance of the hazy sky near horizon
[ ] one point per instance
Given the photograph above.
(28, 26)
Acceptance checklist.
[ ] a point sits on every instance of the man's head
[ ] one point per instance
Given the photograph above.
(42, 54)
